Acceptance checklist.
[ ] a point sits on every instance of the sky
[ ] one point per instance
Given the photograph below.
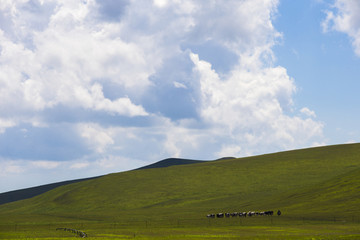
(90, 87)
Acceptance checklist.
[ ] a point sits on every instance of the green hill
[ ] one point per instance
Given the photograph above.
(317, 182)
(26, 193)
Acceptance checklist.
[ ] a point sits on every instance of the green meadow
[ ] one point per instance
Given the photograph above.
(316, 189)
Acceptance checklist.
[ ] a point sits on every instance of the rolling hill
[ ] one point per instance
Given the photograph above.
(315, 182)
(26, 193)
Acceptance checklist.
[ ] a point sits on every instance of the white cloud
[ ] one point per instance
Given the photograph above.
(97, 137)
(260, 95)
(122, 106)
(160, 3)
(66, 63)
(345, 17)
(179, 85)
(6, 123)
(308, 112)
(251, 106)
(10, 167)
(80, 165)
(46, 164)
(230, 151)
(179, 140)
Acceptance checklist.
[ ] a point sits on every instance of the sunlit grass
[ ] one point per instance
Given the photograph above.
(315, 230)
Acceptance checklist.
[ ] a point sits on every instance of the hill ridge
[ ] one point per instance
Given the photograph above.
(25, 193)
(168, 162)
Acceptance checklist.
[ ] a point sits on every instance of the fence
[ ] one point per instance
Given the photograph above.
(185, 223)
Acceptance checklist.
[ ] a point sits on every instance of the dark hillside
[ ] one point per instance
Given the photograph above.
(171, 162)
(26, 193)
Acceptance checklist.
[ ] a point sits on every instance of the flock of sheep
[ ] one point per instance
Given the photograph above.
(80, 233)
(243, 214)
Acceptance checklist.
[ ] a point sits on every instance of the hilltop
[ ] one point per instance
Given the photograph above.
(171, 162)
(316, 182)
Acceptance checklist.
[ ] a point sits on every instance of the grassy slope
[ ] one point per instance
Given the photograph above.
(26, 193)
(320, 181)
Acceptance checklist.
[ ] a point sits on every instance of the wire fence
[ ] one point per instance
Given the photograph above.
(184, 223)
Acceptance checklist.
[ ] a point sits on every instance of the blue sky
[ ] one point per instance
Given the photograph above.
(324, 66)
(92, 87)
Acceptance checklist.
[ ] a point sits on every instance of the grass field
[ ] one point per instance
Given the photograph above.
(191, 229)
(317, 189)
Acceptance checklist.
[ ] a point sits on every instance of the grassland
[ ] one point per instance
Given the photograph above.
(316, 189)
(254, 228)
(232, 231)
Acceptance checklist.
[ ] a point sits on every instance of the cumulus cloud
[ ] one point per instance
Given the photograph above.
(66, 61)
(97, 137)
(344, 17)
(252, 106)
(102, 86)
